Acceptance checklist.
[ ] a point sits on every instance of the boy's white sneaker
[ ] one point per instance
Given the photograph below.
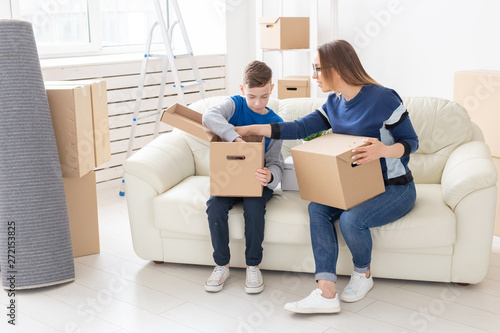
(315, 303)
(254, 283)
(216, 281)
(357, 288)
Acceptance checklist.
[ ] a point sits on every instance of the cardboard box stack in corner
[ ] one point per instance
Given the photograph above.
(71, 111)
(478, 91)
(81, 200)
(232, 164)
(326, 175)
(79, 111)
(293, 87)
(284, 33)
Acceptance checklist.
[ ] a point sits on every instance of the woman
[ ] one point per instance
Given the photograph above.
(358, 106)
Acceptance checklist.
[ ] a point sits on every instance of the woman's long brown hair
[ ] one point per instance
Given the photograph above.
(341, 56)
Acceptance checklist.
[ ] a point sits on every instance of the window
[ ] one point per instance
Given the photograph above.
(57, 22)
(93, 27)
(66, 27)
(125, 22)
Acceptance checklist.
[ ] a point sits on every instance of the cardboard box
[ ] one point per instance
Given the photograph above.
(284, 33)
(71, 111)
(293, 87)
(326, 175)
(232, 164)
(100, 117)
(289, 179)
(81, 200)
(479, 93)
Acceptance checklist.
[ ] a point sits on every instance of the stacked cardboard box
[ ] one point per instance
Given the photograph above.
(293, 87)
(478, 91)
(284, 33)
(81, 127)
(81, 200)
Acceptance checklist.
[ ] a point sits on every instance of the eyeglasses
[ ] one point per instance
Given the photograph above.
(316, 70)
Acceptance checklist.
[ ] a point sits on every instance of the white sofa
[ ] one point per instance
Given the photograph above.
(446, 237)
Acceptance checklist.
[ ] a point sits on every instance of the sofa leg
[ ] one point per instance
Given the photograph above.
(158, 262)
(463, 284)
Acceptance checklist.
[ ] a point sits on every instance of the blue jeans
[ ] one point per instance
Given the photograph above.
(254, 209)
(355, 224)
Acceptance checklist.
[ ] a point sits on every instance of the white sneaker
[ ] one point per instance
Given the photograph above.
(358, 287)
(315, 303)
(216, 281)
(254, 283)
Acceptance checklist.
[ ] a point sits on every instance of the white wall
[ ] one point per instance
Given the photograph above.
(5, 9)
(240, 41)
(205, 23)
(413, 46)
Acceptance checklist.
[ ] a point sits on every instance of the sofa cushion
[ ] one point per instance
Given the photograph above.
(430, 224)
(182, 208)
(287, 219)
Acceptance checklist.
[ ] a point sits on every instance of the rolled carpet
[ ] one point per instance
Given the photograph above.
(35, 240)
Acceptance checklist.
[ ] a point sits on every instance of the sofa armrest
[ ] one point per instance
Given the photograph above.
(469, 168)
(163, 163)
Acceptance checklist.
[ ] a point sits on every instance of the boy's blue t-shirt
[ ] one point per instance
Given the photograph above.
(243, 115)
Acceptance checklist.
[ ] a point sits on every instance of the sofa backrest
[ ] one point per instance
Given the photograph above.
(441, 126)
(292, 109)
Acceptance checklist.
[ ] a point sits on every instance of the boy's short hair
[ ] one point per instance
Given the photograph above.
(257, 74)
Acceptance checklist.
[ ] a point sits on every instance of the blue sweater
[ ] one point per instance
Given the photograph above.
(243, 116)
(376, 112)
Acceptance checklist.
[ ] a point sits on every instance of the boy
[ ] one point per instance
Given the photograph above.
(221, 119)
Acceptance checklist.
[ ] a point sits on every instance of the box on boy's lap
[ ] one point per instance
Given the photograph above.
(232, 164)
(326, 173)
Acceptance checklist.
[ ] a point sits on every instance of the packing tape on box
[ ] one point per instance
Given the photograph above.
(35, 240)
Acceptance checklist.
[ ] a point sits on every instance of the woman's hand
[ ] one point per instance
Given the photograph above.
(264, 130)
(376, 150)
(264, 176)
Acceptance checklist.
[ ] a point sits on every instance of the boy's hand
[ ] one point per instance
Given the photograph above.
(264, 176)
(238, 139)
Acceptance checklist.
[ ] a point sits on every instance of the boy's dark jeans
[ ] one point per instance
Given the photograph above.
(254, 210)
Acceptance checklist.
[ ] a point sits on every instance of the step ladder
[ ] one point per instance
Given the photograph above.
(168, 59)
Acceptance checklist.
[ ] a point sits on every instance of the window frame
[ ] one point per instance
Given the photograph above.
(93, 48)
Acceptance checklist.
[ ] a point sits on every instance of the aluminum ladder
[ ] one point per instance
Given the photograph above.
(168, 59)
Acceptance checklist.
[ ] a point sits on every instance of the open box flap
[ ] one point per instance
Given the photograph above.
(188, 120)
(347, 155)
(294, 81)
(331, 144)
(268, 20)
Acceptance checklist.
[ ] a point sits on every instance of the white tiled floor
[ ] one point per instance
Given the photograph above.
(115, 291)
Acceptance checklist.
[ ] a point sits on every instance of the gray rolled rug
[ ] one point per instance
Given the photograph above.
(35, 240)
